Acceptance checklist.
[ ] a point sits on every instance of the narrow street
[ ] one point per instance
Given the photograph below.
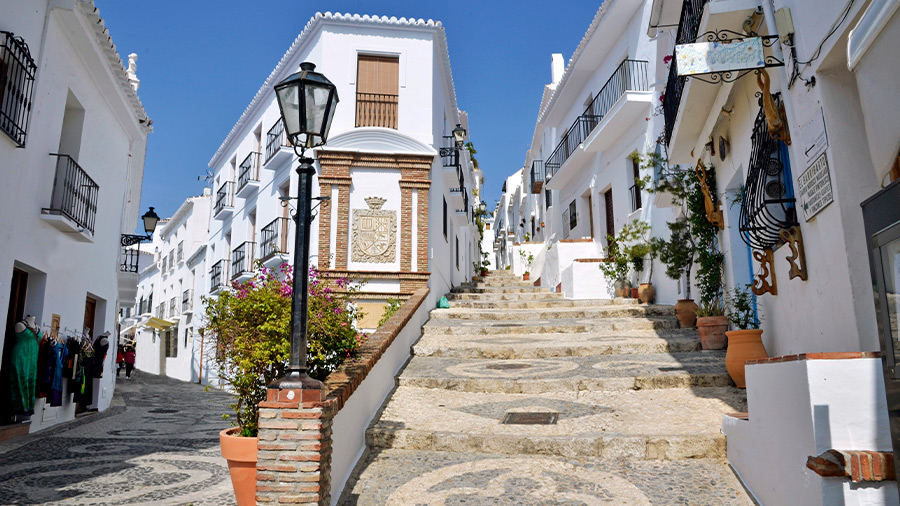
(156, 445)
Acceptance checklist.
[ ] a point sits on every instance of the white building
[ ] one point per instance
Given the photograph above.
(169, 307)
(802, 245)
(578, 182)
(382, 162)
(72, 147)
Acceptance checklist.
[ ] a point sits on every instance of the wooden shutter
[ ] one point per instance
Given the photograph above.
(377, 87)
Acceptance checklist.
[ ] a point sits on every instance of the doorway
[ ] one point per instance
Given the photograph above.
(18, 291)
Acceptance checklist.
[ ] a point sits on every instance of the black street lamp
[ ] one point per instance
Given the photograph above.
(130, 257)
(307, 101)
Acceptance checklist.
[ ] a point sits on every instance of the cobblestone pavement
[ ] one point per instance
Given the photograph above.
(515, 396)
(157, 444)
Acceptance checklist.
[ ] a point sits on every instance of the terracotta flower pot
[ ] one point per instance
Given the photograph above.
(743, 345)
(686, 312)
(646, 292)
(240, 452)
(712, 332)
(634, 293)
(623, 288)
(526, 276)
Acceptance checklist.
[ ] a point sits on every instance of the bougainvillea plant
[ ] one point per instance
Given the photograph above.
(248, 334)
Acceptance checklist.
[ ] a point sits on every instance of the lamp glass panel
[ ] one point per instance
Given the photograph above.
(316, 103)
(289, 101)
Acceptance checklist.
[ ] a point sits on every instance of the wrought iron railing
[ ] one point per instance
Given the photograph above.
(635, 191)
(187, 301)
(276, 139)
(630, 75)
(173, 307)
(131, 252)
(75, 194)
(225, 196)
(688, 27)
(217, 275)
(273, 238)
(17, 72)
(537, 176)
(376, 109)
(242, 259)
(249, 170)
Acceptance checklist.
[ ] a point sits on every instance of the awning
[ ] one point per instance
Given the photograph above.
(159, 323)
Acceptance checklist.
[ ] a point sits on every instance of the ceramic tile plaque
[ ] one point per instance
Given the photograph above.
(814, 188)
(709, 57)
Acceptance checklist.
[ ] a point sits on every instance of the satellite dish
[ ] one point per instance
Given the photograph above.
(723, 148)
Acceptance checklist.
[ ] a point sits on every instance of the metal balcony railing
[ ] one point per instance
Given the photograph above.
(17, 72)
(242, 259)
(630, 75)
(217, 275)
(249, 170)
(187, 301)
(537, 176)
(173, 307)
(225, 196)
(376, 109)
(276, 139)
(688, 26)
(273, 238)
(75, 194)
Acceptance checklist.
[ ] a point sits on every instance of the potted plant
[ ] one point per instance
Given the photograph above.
(248, 334)
(527, 259)
(485, 263)
(636, 246)
(615, 267)
(712, 324)
(745, 342)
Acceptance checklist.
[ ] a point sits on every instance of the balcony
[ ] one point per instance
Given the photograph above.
(537, 176)
(622, 100)
(248, 175)
(225, 201)
(16, 86)
(217, 276)
(173, 308)
(456, 195)
(273, 242)
(276, 142)
(376, 110)
(688, 28)
(187, 302)
(73, 203)
(242, 262)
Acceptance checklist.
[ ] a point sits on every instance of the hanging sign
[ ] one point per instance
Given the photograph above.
(719, 56)
(814, 186)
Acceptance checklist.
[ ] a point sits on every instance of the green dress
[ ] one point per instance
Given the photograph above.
(23, 375)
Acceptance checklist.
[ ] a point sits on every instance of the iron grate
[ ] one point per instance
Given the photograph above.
(530, 418)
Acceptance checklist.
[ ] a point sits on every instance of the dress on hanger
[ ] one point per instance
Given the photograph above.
(23, 375)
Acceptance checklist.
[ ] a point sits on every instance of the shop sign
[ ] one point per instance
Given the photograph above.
(727, 56)
(814, 186)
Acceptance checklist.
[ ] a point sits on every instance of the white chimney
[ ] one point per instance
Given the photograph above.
(132, 71)
(557, 67)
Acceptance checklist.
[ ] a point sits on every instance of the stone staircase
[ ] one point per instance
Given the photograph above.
(516, 395)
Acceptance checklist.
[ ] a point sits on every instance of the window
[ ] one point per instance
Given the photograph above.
(546, 199)
(457, 253)
(573, 215)
(377, 89)
(163, 268)
(171, 259)
(445, 219)
(635, 189)
(171, 340)
(17, 71)
(610, 219)
(180, 251)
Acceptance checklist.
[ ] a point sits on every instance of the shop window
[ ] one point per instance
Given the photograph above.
(377, 91)
(17, 72)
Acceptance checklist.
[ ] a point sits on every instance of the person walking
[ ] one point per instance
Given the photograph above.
(120, 359)
(129, 360)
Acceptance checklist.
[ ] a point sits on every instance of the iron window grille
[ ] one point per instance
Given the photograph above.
(217, 275)
(273, 238)
(225, 196)
(537, 176)
(630, 75)
(688, 28)
(242, 259)
(17, 72)
(180, 251)
(187, 301)
(275, 140)
(768, 203)
(75, 194)
(573, 215)
(249, 170)
(173, 307)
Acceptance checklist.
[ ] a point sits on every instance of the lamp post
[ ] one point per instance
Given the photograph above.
(307, 100)
(130, 261)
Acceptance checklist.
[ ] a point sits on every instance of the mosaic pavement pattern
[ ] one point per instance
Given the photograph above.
(635, 406)
(156, 445)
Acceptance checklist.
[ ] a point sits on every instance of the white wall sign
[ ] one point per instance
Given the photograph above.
(814, 137)
(708, 57)
(814, 186)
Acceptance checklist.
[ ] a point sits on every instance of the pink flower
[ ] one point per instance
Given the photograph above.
(667, 58)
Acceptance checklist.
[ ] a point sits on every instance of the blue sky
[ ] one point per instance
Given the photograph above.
(202, 61)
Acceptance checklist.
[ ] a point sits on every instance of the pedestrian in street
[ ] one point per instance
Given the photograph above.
(120, 359)
(129, 360)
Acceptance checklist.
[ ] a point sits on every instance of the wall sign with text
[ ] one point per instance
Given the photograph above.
(814, 187)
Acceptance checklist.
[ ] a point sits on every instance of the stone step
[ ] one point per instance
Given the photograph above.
(527, 346)
(570, 374)
(403, 477)
(500, 297)
(589, 312)
(500, 289)
(626, 425)
(526, 304)
(553, 325)
(502, 281)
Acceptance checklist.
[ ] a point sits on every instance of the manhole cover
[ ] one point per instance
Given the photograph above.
(163, 410)
(506, 367)
(530, 418)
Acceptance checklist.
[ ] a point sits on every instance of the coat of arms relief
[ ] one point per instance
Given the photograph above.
(374, 233)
